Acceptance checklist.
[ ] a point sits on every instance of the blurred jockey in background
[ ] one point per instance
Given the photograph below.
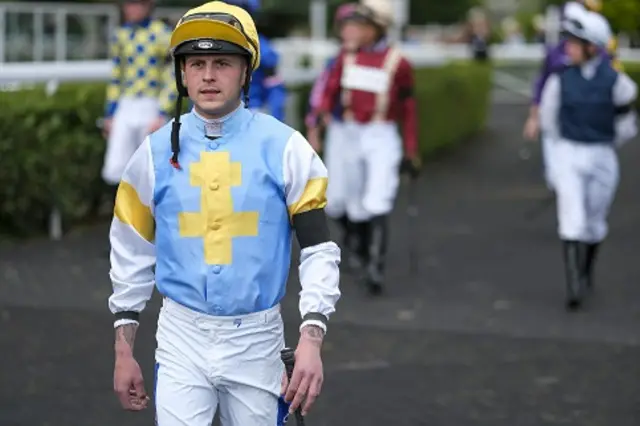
(348, 33)
(555, 60)
(267, 92)
(375, 90)
(587, 111)
(142, 92)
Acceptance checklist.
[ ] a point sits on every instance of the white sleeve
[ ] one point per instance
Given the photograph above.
(550, 107)
(626, 127)
(625, 93)
(132, 239)
(305, 181)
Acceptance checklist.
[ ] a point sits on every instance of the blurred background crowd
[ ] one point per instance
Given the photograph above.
(28, 34)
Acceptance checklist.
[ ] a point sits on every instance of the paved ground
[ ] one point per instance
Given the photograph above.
(478, 337)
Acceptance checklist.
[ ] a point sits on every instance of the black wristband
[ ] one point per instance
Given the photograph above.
(624, 109)
(406, 93)
(315, 316)
(128, 315)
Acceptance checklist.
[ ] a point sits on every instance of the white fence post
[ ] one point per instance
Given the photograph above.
(61, 35)
(55, 217)
(552, 25)
(38, 35)
(3, 33)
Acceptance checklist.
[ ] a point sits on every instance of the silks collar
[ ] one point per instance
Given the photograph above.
(202, 128)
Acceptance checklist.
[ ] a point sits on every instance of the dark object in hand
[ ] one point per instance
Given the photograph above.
(410, 167)
(288, 359)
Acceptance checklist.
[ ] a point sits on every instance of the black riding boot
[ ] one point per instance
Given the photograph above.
(592, 253)
(346, 227)
(574, 262)
(377, 254)
(359, 246)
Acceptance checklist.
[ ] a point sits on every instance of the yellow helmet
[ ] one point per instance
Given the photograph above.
(593, 5)
(216, 28)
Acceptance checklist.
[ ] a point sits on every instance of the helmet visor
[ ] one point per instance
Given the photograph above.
(212, 33)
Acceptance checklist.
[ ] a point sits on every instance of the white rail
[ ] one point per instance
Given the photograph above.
(293, 52)
(36, 31)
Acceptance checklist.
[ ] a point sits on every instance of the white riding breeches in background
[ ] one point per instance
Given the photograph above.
(334, 159)
(369, 177)
(586, 180)
(203, 361)
(548, 145)
(129, 128)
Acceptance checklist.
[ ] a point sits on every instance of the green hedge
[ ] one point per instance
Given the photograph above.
(453, 104)
(52, 152)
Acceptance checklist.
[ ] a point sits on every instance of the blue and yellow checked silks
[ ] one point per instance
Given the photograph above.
(142, 65)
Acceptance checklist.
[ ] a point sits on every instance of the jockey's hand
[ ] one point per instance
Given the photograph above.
(307, 377)
(326, 119)
(411, 165)
(313, 136)
(531, 128)
(107, 124)
(128, 384)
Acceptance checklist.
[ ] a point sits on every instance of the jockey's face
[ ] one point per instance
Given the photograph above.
(350, 35)
(369, 33)
(136, 11)
(215, 82)
(578, 51)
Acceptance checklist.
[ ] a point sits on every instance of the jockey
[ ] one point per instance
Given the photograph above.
(586, 111)
(374, 88)
(205, 212)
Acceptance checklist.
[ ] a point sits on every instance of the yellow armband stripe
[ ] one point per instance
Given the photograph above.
(131, 211)
(617, 65)
(313, 197)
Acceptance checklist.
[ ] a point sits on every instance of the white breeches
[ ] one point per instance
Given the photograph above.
(363, 163)
(203, 361)
(334, 160)
(547, 159)
(586, 179)
(129, 128)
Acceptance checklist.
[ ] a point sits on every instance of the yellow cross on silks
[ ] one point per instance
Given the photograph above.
(217, 223)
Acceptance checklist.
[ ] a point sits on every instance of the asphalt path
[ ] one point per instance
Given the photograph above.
(478, 336)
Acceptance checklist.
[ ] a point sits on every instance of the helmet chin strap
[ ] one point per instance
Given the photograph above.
(247, 85)
(175, 126)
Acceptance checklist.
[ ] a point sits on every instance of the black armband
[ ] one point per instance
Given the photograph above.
(406, 93)
(128, 315)
(315, 316)
(311, 228)
(623, 109)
